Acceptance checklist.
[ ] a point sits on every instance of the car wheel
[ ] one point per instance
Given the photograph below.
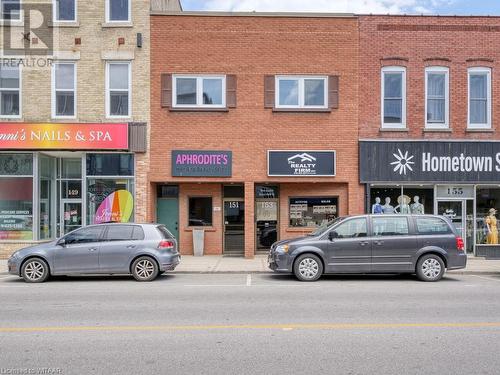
(35, 270)
(308, 267)
(430, 268)
(145, 269)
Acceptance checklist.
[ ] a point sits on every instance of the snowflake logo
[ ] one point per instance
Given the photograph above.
(403, 162)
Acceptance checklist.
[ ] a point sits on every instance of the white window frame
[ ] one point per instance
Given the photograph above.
(20, 90)
(486, 71)
(108, 13)
(199, 90)
(301, 92)
(393, 69)
(54, 13)
(20, 19)
(439, 70)
(54, 90)
(129, 90)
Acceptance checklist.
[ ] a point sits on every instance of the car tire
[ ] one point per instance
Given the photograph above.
(430, 268)
(145, 269)
(35, 270)
(308, 267)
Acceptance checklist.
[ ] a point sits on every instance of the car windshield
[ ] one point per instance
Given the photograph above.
(323, 228)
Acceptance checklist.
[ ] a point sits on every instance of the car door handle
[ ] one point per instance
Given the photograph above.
(379, 243)
(131, 247)
(363, 243)
(92, 249)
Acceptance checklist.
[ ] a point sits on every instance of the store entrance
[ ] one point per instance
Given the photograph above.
(266, 214)
(71, 215)
(460, 212)
(234, 227)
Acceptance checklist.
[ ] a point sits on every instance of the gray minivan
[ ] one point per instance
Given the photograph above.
(423, 244)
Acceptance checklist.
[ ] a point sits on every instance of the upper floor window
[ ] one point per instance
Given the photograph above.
(10, 91)
(64, 90)
(199, 91)
(10, 10)
(118, 89)
(64, 10)
(301, 92)
(394, 97)
(437, 97)
(479, 98)
(118, 10)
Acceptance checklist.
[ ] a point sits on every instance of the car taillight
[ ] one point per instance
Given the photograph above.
(460, 244)
(166, 245)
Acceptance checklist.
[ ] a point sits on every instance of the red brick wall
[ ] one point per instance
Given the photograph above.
(250, 48)
(464, 41)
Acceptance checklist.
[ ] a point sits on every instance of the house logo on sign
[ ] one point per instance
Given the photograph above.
(302, 164)
(403, 163)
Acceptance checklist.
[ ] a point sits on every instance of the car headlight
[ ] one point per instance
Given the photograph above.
(282, 248)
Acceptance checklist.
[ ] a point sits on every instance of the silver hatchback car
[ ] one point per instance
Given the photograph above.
(143, 250)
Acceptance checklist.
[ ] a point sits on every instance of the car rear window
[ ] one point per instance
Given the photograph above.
(390, 226)
(164, 232)
(432, 225)
(124, 233)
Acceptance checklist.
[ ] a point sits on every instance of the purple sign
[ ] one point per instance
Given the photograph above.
(187, 163)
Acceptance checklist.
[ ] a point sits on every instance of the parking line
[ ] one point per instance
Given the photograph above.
(335, 326)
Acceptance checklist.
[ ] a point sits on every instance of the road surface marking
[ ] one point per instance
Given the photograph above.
(486, 278)
(249, 280)
(337, 326)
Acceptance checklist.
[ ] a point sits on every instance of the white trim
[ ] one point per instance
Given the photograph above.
(63, 22)
(301, 91)
(485, 71)
(446, 72)
(129, 90)
(20, 90)
(199, 90)
(54, 90)
(107, 13)
(393, 69)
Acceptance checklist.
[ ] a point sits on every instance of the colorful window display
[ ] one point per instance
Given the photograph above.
(110, 200)
(16, 208)
(487, 204)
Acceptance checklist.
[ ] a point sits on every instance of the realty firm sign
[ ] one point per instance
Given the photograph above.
(201, 163)
(429, 161)
(301, 163)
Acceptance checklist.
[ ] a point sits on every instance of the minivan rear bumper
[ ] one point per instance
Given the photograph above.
(457, 261)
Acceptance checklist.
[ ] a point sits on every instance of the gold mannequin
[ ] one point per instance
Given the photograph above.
(491, 223)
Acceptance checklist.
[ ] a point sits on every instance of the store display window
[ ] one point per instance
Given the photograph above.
(487, 204)
(312, 212)
(401, 200)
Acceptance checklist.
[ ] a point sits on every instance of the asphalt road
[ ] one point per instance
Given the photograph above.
(251, 324)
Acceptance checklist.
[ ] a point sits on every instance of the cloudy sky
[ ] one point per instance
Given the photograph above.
(459, 7)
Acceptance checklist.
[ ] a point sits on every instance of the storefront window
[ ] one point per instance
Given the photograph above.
(16, 208)
(401, 200)
(200, 211)
(46, 173)
(487, 202)
(110, 165)
(110, 200)
(312, 212)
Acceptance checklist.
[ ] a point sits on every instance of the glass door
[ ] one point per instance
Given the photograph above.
(71, 215)
(266, 213)
(234, 227)
(455, 211)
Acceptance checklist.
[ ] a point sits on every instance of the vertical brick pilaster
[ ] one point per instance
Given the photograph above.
(249, 220)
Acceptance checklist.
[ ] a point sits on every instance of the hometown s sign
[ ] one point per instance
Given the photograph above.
(23, 136)
(429, 161)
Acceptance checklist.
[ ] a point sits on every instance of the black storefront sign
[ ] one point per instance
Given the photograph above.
(430, 161)
(301, 163)
(201, 163)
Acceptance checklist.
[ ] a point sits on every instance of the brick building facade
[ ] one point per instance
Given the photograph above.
(429, 87)
(285, 99)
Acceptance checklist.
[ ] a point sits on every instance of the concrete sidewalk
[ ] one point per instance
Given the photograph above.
(220, 264)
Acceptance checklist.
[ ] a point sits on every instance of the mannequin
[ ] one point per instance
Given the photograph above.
(403, 205)
(417, 208)
(491, 224)
(388, 209)
(377, 207)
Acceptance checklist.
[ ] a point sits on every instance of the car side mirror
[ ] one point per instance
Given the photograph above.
(333, 235)
(62, 242)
